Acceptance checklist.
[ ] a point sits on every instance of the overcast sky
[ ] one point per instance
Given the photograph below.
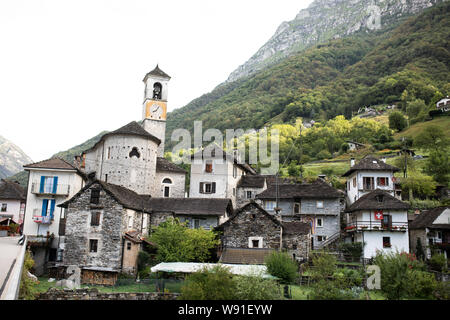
(71, 69)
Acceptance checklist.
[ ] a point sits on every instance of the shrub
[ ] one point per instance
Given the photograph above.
(438, 262)
(209, 284)
(13, 228)
(421, 284)
(281, 265)
(355, 250)
(324, 265)
(256, 288)
(27, 284)
(329, 290)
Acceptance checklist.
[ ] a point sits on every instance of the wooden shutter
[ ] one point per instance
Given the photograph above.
(55, 184)
(41, 187)
(52, 208)
(213, 187)
(201, 187)
(44, 207)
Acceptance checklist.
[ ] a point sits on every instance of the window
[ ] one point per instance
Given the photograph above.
(93, 245)
(157, 89)
(383, 182)
(95, 218)
(296, 207)
(319, 222)
(109, 153)
(319, 204)
(208, 167)
(354, 182)
(95, 195)
(368, 183)
(249, 195)
(134, 153)
(386, 242)
(128, 245)
(196, 223)
(269, 205)
(234, 172)
(255, 243)
(166, 192)
(234, 192)
(106, 177)
(167, 180)
(130, 221)
(48, 184)
(4, 207)
(321, 238)
(387, 221)
(207, 187)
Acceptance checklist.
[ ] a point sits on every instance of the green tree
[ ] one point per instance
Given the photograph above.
(281, 265)
(438, 166)
(397, 121)
(216, 283)
(421, 185)
(176, 242)
(432, 138)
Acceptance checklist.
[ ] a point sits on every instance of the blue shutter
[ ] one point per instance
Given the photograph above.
(55, 184)
(41, 188)
(52, 208)
(44, 207)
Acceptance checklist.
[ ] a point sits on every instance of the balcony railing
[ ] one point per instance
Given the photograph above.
(376, 226)
(38, 218)
(59, 190)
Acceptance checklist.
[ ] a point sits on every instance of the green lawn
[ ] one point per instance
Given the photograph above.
(442, 122)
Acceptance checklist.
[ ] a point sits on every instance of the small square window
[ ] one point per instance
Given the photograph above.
(4, 207)
(386, 242)
(208, 167)
(319, 204)
(95, 196)
(95, 218)
(296, 207)
(255, 243)
(128, 245)
(93, 245)
(319, 222)
(249, 195)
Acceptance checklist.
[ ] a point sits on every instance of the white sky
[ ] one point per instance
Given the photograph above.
(70, 69)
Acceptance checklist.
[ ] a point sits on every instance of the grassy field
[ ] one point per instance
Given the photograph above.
(442, 122)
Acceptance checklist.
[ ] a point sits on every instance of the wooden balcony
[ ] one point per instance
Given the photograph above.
(359, 226)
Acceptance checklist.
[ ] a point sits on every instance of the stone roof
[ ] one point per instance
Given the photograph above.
(156, 72)
(11, 190)
(53, 163)
(133, 236)
(296, 227)
(190, 206)
(371, 201)
(318, 189)
(162, 164)
(371, 163)
(249, 181)
(245, 255)
(426, 218)
(133, 128)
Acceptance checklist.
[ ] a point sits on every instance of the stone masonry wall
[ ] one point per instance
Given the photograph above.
(79, 231)
(94, 294)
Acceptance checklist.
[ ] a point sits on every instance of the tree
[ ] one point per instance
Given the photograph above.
(397, 121)
(216, 283)
(438, 166)
(432, 138)
(281, 265)
(176, 242)
(420, 254)
(421, 185)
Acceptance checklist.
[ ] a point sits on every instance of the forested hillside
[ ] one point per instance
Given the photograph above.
(334, 78)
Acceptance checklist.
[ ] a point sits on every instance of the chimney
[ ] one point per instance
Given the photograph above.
(352, 162)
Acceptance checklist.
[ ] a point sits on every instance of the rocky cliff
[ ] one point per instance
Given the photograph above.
(328, 19)
(12, 158)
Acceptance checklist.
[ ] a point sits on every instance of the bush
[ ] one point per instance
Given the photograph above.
(27, 285)
(281, 265)
(257, 288)
(438, 262)
(397, 121)
(210, 284)
(354, 250)
(329, 290)
(13, 228)
(421, 284)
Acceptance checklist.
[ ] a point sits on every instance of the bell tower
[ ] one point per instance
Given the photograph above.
(154, 110)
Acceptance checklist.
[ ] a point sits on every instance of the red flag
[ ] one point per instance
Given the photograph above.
(378, 214)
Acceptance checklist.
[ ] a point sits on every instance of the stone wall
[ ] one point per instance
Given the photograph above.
(79, 231)
(94, 294)
(177, 188)
(297, 245)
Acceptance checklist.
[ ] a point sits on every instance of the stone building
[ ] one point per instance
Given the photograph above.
(432, 227)
(252, 227)
(315, 203)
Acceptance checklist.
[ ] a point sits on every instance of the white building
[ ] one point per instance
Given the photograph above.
(50, 182)
(375, 217)
(12, 201)
(215, 174)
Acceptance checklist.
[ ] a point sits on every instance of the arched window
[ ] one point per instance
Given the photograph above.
(157, 90)
(166, 187)
(134, 153)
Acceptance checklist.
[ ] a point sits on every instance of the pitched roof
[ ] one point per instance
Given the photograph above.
(318, 189)
(249, 181)
(126, 197)
(371, 201)
(371, 163)
(190, 206)
(296, 228)
(11, 190)
(426, 218)
(245, 255)
(133, 128)
(52, 163)
(162, 164)
(156, 72)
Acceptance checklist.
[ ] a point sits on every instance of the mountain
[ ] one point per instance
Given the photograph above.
(324, 20)
(332, 78)
(12, 158)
